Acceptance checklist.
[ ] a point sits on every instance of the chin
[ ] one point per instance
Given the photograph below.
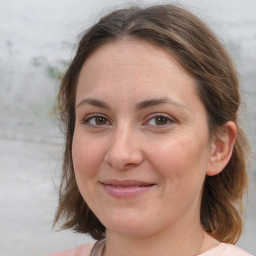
(128, 225)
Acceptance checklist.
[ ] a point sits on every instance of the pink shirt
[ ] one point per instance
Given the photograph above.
(220, 250)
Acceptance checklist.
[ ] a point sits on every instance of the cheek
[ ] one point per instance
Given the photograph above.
(181, 166)
(87, 155)
(183, 158)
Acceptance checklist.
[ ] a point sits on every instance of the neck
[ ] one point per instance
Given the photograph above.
(185, 241)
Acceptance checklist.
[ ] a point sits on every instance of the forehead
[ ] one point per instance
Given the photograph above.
(130, 53)
(134, 64)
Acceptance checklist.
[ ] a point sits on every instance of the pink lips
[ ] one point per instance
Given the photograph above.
(126, 188)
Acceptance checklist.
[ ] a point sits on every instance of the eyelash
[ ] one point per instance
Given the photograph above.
(167, 118)
(88, 119)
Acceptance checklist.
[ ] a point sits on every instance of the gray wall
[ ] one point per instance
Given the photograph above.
(37, 39)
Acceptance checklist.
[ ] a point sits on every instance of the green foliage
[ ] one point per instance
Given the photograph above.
(54, 72)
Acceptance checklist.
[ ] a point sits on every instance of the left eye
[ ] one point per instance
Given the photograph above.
(159, 121)
(96, 121)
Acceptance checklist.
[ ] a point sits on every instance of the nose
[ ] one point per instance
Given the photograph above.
(124, 151)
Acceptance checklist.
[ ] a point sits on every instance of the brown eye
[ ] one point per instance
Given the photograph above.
(96, 121)
(160, 120)
(100, 120)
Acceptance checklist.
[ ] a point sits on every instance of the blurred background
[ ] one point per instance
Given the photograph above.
(37, 41)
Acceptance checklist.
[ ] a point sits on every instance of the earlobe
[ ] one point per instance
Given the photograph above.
(222, 149)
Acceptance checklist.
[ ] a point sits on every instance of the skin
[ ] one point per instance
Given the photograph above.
(118, 137)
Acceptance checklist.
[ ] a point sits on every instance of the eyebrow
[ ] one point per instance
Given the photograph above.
(155, 102)
(94, 102)
(139, 106)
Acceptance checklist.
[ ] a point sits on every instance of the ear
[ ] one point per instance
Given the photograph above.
(222, 148)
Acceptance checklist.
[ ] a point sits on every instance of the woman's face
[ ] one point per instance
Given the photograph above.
(141, 145)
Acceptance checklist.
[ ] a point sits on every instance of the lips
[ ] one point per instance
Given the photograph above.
(126, 183)
(126, 188)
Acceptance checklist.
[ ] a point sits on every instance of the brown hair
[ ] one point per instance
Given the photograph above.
(199, 51)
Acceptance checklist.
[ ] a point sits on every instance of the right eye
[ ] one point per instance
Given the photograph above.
(96, 121)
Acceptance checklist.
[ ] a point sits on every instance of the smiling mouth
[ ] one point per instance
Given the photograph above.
(127, 188)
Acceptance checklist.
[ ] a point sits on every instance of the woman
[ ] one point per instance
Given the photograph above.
(155, 160)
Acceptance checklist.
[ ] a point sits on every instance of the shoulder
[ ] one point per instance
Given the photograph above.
(82, 250)
(226, 250)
